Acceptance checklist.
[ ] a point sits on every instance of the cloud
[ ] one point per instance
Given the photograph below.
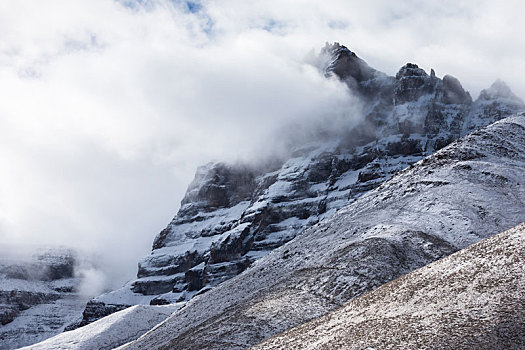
(107, 107)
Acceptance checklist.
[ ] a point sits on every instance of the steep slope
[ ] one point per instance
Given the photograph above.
(109, 332)
(465, 192)
(233, 215)
(38, 296)
(472, 299)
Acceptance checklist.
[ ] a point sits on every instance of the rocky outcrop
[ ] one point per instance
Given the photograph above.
(232, 215)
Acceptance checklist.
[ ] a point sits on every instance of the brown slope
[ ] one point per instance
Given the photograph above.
(473, 299)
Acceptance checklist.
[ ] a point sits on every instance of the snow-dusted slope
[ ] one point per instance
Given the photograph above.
(233, 215)
(111, 331)
(466, 192)
(472, 299)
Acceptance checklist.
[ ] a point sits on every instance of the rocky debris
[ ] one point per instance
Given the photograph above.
(466, 192)
(348, 67)
(470, 300)
(234, 214)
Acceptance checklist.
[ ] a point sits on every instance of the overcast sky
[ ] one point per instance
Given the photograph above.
(107, 107)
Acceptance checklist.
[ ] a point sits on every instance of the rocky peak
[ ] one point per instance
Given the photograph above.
(346, 65)
(493, 103)
(410, 70)
(411, 83)
(453, 92)
(215, 186)
(48, 265)
(499, 89)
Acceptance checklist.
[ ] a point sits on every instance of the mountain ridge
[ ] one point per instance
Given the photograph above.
(232, 215)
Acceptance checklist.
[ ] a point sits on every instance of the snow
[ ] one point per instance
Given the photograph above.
(111, 331)
(298, 196)
(42, 321)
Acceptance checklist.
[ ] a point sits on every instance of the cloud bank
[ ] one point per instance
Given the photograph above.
(107, 107)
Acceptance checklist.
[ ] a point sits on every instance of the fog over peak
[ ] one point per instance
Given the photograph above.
(107, 107)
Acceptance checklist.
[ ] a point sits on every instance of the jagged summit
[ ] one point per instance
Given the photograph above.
(232, 215)
(410, 70)
(499, 89)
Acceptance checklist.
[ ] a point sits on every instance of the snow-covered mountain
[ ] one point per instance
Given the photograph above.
(472, 299)
(467, 191)
(38, 295)
(234, 214)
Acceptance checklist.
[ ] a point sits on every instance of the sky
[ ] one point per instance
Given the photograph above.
(108, 106)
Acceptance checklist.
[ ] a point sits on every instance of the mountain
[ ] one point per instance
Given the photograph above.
(38, 295)
(234, 214)
(472, 299)
(463, 193)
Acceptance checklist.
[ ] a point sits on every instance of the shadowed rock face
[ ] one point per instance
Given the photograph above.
(234, 214)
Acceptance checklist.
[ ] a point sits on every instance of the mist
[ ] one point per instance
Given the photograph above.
(107, 107)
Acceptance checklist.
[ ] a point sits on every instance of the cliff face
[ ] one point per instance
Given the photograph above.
(234, 214)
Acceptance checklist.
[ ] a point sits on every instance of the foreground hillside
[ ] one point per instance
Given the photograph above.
(472, 299)
(464, 193)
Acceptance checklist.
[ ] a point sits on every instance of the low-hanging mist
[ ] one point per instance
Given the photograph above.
(107, 107)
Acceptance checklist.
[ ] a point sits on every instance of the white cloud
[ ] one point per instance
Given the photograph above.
(106, 109)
